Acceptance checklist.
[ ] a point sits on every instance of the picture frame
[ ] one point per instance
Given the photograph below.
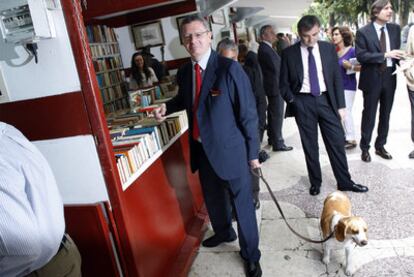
(148, 34)
(218, 17)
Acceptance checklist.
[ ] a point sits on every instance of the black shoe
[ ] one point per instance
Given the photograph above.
(411, 155)
(350, 144)
(253, 269)
(216, 240)
(355, 188)
(383, 153)
(282, 148)
(365, 156)
(314, 190)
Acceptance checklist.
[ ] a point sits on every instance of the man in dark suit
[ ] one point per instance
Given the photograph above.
(376, 46)
(311, 84)
(224, 140)
(269, 62)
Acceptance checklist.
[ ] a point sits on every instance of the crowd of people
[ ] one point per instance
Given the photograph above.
(318, 82)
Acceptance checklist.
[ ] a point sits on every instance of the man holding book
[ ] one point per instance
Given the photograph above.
(224, 142)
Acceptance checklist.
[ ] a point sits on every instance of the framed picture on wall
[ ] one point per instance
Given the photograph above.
(218, 17)
(148, 34)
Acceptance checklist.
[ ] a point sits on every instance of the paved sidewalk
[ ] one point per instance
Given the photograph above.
(387, 208)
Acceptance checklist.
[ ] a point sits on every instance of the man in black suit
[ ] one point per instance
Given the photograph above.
(269, 62)
(223, 136)
(376, 46)
(311, 84)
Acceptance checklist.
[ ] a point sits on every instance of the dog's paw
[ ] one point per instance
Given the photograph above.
(348, 271)
(325, 260)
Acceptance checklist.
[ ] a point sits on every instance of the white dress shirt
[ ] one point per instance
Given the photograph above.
(387, 40)
(305, 54)
(31, 209)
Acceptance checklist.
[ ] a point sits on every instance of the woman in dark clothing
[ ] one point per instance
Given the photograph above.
(251, 66)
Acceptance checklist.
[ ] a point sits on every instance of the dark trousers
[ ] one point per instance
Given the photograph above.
(385, 97)
(411, 97)
(275, 120)
(313, 111)
(220, 195)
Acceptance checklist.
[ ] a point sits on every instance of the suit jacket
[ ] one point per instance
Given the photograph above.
(291, 77)
(269, 62)
(368, 52)
(227, 116)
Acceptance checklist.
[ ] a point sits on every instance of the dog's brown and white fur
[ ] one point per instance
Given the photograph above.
(336, 215)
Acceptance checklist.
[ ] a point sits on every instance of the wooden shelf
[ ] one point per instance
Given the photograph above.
(109, 70)
(106, 56)
(151, 160)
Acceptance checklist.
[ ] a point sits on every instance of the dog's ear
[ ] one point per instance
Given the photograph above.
(340, 230)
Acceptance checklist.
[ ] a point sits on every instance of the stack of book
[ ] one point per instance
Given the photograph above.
(145, 97)
(136, 144)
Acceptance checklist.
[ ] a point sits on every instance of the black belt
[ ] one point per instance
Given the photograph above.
(310, 94)
(62, 242)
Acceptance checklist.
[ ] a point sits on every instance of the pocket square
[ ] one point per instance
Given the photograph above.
(215, 92)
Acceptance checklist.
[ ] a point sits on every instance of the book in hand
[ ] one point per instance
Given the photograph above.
(354, 62)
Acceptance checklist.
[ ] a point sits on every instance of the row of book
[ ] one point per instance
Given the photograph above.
(116, 106)
(99, 50)
(110, 78)
(133, 146)
(108, 63)
(114, 93)
(100, 33)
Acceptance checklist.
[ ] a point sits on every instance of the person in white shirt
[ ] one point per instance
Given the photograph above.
(141, 74)
(32, 228)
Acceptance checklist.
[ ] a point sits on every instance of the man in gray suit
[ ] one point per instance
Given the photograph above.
(269, 62)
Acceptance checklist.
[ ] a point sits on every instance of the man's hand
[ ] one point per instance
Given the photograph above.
(395, 54)
(159, 112)
(254, 164)
(342, 113)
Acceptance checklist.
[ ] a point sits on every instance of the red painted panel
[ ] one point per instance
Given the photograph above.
(102, 7)
(93, 102)
(163, 216)
(145, 15)
(48, 117)
(87, 226)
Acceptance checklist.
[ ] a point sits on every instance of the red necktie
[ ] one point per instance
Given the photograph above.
(196, 131)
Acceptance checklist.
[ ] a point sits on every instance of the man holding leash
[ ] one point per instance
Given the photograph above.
(224, 142)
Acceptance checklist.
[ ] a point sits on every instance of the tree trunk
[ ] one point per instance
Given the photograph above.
(332, 20)
(404, 12)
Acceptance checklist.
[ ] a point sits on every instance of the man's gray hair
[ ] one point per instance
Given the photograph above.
(191, 18)
(227, 44)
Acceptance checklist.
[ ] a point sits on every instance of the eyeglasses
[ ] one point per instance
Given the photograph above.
(198, 35)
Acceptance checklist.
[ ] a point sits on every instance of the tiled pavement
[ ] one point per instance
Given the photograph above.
(387, 208)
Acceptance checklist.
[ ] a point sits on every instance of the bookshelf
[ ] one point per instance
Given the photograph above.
(108, 66)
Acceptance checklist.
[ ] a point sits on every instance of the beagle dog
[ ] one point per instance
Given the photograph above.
(348, 229)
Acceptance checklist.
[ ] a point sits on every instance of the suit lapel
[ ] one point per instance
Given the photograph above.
(390, 33)
(373, 36)
(298, 61)
(208, 78)
(324, 62)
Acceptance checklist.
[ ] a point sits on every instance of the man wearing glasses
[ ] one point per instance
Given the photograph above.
(224, 141)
